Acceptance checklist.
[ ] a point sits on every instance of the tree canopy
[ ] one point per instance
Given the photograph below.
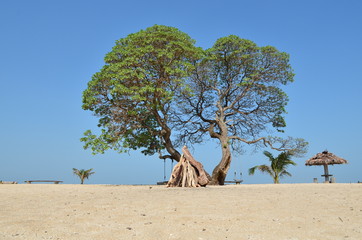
(157, 91)
(236, 98)
(132, 94)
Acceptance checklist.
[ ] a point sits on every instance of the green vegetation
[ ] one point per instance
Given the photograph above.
(157, 91)
(133, 93)
(237, 97)
(83, 174)
(278, 166)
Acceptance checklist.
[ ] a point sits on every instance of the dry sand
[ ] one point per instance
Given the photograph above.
(285, 211)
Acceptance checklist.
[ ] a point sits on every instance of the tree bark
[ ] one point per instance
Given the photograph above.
(220, 171)
(166, 136)
(188, 172)
(175, 155)
(202, 176)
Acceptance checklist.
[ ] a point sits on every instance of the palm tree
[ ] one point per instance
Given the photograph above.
(278, 166)
(83, 174)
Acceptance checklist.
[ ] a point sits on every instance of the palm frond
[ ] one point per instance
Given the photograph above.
(261, 168)
(82, 174)
(282, 161)
(88, 172)
(285, 173)
(269, 155)
(252, 170)
(265, 169)
(76, 171)
(286, 158)
(277, 166)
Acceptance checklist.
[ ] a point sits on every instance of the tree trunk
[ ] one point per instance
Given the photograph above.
(221, 170)
(175, 155)
(188, 172)
(166, 136)
(202, 175)
(276, 179)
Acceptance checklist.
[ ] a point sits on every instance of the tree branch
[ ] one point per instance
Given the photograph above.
(296, 147)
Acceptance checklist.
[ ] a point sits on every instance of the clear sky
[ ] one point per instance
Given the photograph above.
(49, 50)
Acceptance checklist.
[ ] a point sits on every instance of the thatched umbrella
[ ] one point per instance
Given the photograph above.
(325, 158)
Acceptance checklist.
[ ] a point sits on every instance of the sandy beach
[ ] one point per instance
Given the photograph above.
(285, 211)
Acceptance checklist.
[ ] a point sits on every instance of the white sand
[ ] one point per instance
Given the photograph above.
(285, 211)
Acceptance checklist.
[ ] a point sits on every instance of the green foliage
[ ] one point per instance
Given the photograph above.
(248, 79)
(133, 91)
(156, 81)
(83, 174)
(238, 93)
(278, 166)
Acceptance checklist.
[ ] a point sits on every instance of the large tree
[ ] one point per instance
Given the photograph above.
(156, 80)
(133, 93)
(237, 96)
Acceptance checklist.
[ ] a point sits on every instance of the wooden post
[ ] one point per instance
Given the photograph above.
(326, 173)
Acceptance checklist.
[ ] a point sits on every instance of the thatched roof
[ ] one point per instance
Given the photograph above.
(325, 158)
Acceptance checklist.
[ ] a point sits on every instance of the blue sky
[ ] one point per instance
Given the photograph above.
(49, 50)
